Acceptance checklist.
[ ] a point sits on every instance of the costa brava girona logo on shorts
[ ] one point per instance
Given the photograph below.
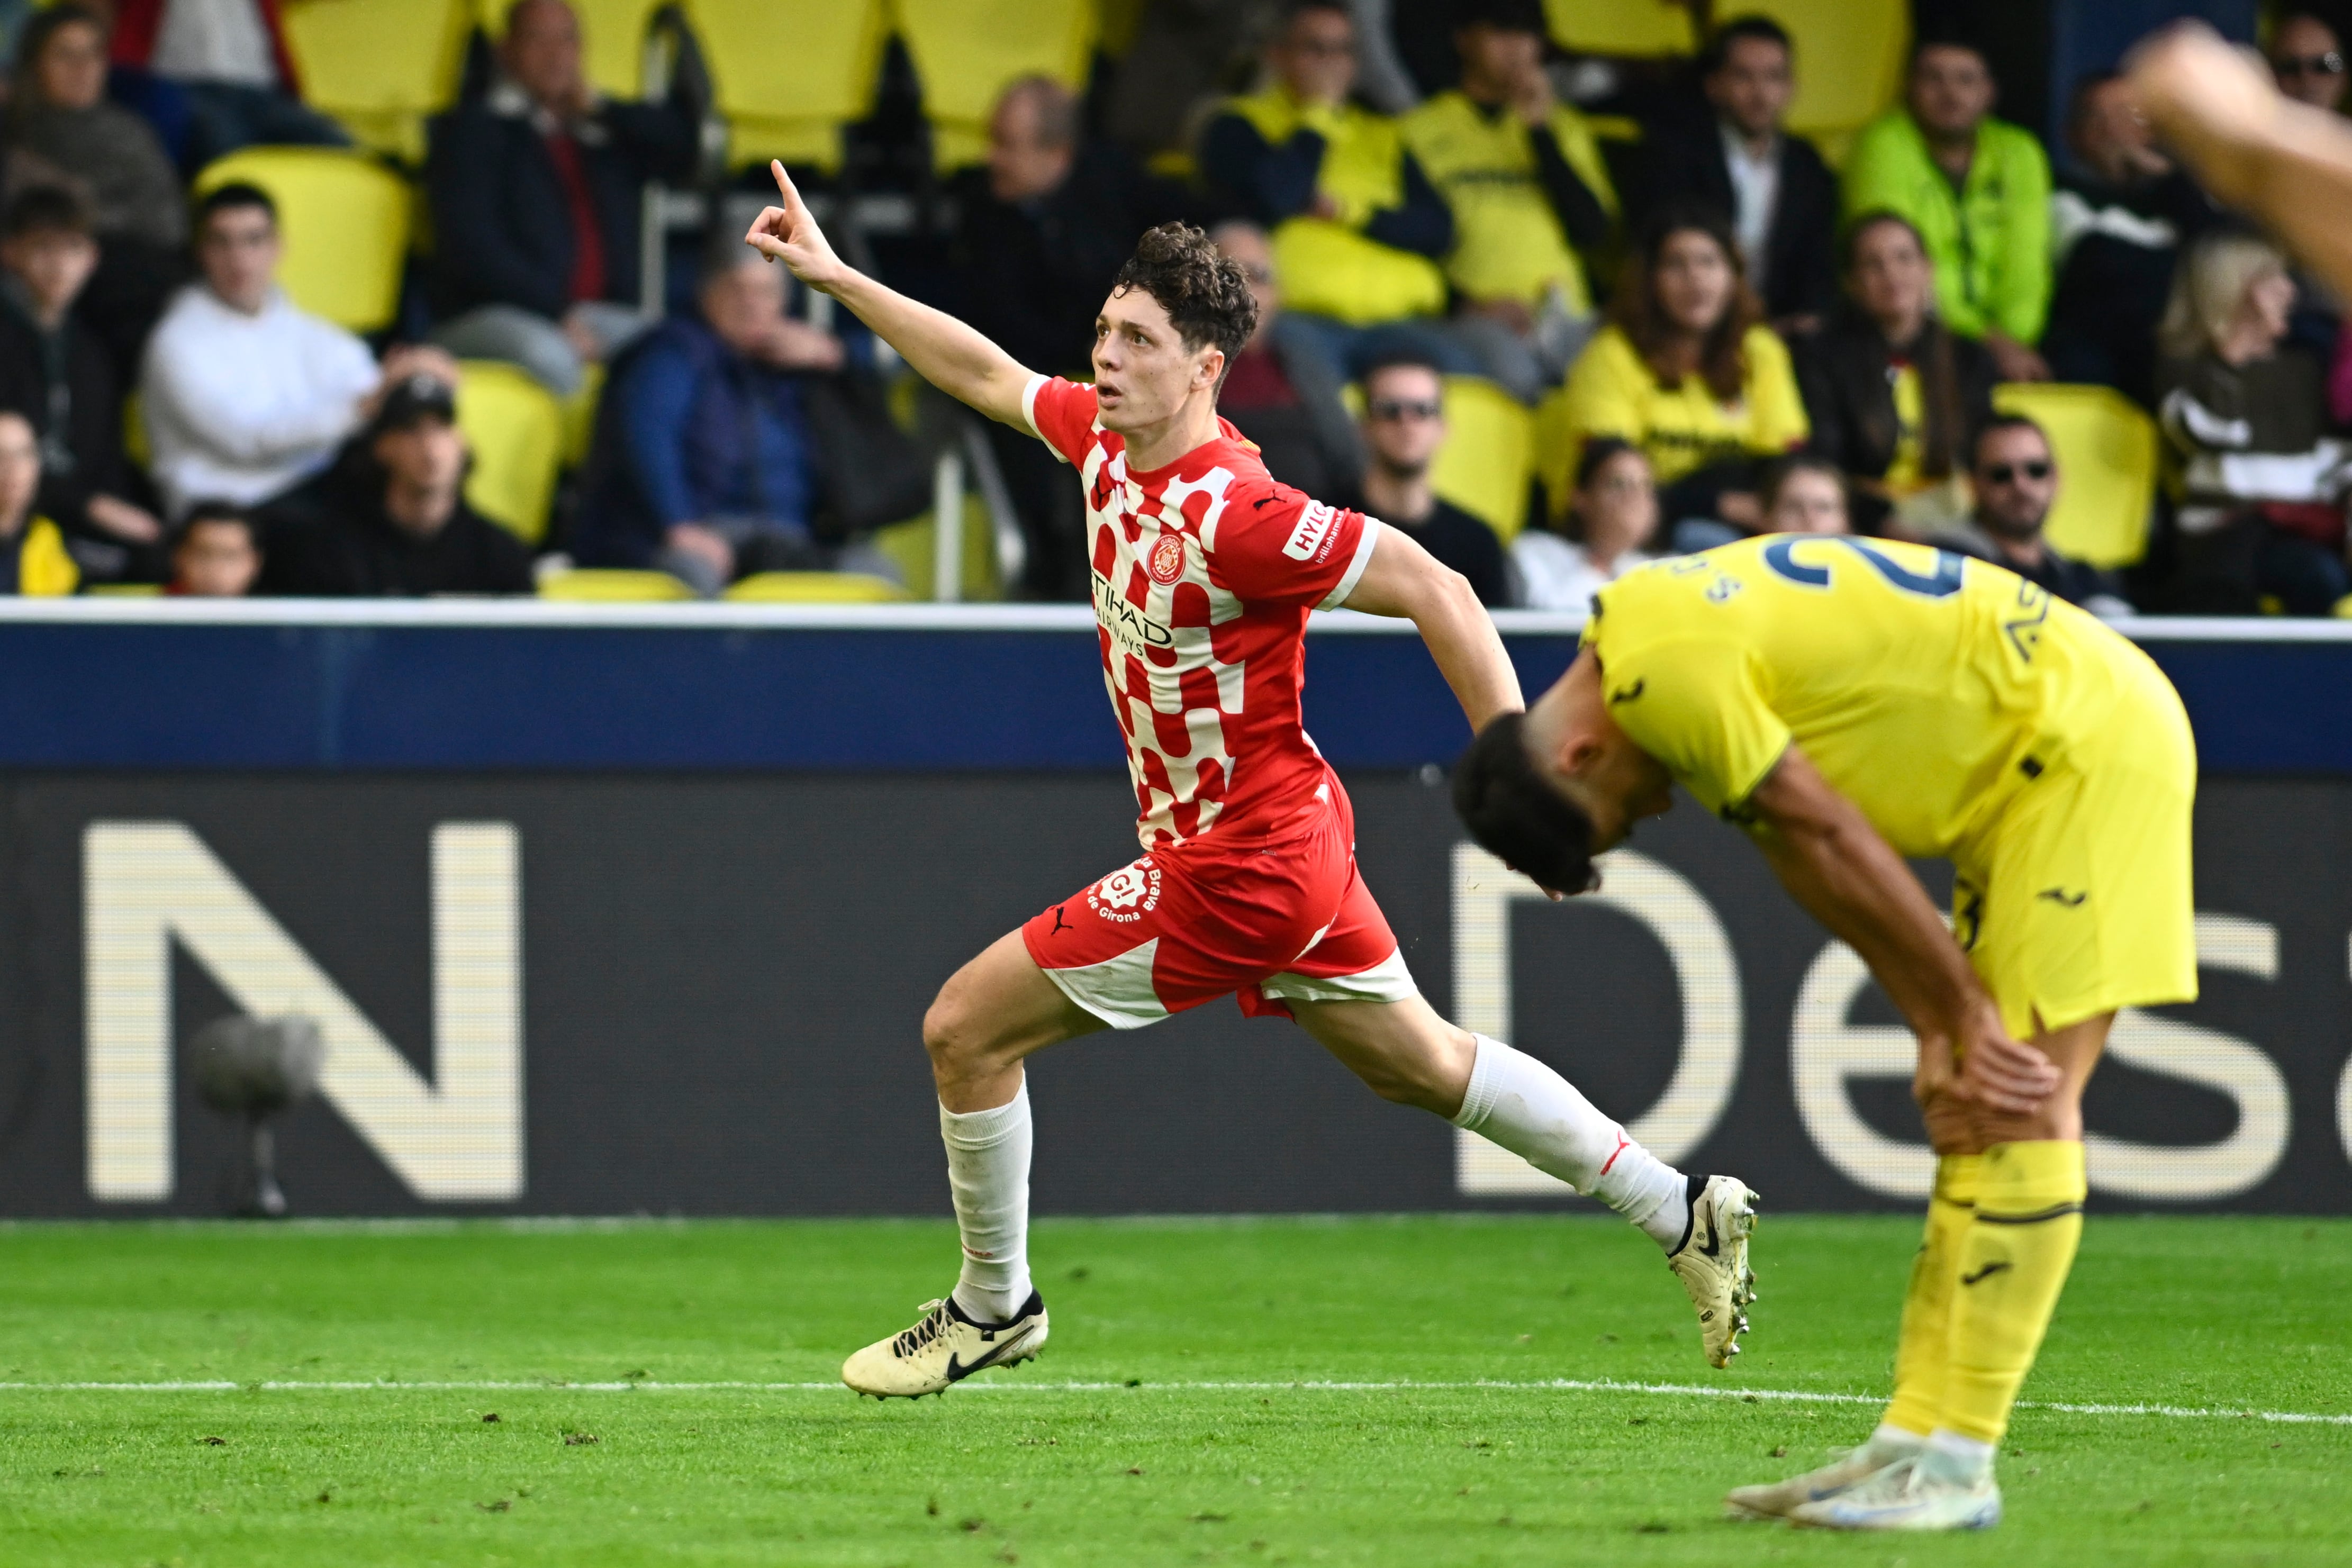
(1168, 559)
(1128, 894)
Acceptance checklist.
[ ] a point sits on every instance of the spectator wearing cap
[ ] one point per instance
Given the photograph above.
(1045, 225)
(2016, 481)
(1976, 189)
(1604, 534)
(393, 522)
(1892, 393)
(1739, 156)
(1280, 390)
(1522, 176)
(228, 59)
(1405, 426)
(2307, 60)
(54, 373)
(33, 558)
(216, 554)
(2118, 221)
(537, 192)
(62, 130)
(1356, 227)
(705, 465)
(244, 395)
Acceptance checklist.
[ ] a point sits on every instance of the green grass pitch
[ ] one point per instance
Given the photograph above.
(1174, 1418)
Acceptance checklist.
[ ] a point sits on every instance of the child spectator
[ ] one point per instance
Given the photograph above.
(1893, 394)
(33, 558)
(1687, 370)
(1976, 189)
(2261, 519)
(1605, 534)
(215, 555)
(53, 371)
(1802, 494)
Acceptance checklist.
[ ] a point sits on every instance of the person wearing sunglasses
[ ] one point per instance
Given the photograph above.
(2307, 60)
(2015, 477)
(1404, 427)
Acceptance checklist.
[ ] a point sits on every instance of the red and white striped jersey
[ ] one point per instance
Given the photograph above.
(1203, 574)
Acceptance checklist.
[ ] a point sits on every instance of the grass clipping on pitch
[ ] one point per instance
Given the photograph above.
(1174, 1418)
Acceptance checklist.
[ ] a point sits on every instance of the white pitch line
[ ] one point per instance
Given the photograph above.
(1309, 1385)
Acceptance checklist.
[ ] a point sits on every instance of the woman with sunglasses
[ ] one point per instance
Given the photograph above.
(1893, 394)
(2262, 525)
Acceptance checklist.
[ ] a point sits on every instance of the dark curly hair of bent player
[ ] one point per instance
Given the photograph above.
(1518, 818)
(1205, 291)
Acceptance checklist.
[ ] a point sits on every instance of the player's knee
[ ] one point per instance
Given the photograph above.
(949, 1037)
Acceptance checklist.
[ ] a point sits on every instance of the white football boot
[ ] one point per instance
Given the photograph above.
(1775, 1499)
(944, 1346)
(1907, 1495)
(1712, 1264)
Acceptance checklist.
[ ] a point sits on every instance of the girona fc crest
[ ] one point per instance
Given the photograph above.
(1168, 559)
(1128, 894)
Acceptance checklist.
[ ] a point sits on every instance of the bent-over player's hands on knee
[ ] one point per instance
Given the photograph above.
(1945, 1115)
(2000, 1074)
(789, 234)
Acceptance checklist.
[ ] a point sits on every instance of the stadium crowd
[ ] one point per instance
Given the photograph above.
(1711, 326)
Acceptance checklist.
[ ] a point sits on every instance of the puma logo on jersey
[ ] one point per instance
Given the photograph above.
(1306, 540)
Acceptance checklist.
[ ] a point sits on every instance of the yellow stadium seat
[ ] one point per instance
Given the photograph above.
(788, 86)
(612, 33)
(604, 585)
(1850, 59)
(816, 587)
(1488, 455)
(2107, 455)
(125, 589)
(912, 545)
(965, 51)
(580, 415)
(515, 427)
(345, 219)
(1634, 29)
(134, 428)
(379, 67)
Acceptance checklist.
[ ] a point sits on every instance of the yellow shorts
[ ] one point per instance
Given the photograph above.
(2076, 900)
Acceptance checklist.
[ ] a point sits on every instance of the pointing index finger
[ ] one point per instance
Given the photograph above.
(791, 193)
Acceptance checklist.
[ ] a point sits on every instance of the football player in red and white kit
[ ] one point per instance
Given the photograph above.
(1205, 569)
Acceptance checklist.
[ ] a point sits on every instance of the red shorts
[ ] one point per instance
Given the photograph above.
(1186, 925)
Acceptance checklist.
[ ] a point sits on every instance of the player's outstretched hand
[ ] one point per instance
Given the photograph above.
(789, 234)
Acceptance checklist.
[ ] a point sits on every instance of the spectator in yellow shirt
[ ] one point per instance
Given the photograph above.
(1686, 372)
(33, 558)
(1524, 181)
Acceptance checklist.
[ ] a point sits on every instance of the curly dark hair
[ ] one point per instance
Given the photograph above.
(1721, 360)
(1518, 817)
(1203, 290)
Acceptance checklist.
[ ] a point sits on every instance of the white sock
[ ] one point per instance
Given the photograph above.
(988, 1166)
(1958, 1459)
(1518, 1102)
(1900, 1441)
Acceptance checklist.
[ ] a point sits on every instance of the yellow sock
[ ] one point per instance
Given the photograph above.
(2013, 1263)
(1921, 1351)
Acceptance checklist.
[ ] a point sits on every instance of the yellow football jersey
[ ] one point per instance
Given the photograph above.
(1928, 687)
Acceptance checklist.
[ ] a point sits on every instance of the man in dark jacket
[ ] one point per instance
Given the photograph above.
(536, 194)
(1781, 198)
(706, 466)
(2016, 479)
(55, 374)
(391, 520)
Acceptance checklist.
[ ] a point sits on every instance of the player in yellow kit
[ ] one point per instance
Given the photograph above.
(1848, 703)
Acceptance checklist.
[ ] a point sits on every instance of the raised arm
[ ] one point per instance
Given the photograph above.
(1835, 862)
(1405, 580)
(943, 350)
(2286, 163)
